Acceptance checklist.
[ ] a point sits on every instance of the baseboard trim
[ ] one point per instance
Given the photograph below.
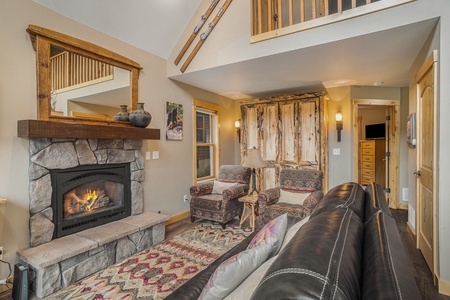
(403, 206)
(444, 287)
(178, 217)
(412, 232)
(4, 288)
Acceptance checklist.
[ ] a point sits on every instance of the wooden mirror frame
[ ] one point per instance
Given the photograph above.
(42, 39)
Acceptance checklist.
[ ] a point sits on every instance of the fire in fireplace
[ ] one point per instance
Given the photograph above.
(89, 196)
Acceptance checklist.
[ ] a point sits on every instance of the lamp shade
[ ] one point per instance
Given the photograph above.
(254, 159)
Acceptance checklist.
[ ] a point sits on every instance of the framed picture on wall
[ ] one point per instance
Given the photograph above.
(174, 121)
(411, 130)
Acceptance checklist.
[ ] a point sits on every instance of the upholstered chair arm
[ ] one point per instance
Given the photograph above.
(312, 200)
(234, 192)
(269, 197)
(202, 188)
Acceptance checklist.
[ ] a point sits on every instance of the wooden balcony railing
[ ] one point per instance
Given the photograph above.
(70, 71)
(271, 18)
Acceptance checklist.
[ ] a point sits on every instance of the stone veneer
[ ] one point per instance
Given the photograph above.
(47, 154)
(57, 263)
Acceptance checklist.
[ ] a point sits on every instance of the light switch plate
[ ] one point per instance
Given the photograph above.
(155, 154)
(147, 155)
(336, 151)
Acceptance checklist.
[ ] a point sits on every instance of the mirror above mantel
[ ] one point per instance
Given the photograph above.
(81, 82)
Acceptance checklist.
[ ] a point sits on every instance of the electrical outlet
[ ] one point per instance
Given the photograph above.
(185, 198)
(1, 252)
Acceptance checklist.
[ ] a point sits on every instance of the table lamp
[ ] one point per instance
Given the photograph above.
(254, 160)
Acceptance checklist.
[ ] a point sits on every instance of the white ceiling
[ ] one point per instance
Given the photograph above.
(152, 25)
(156, 26)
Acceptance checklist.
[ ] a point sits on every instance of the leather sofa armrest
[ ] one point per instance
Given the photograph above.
(312, 200)
(234, 192)
(269, 197)
(202, 188)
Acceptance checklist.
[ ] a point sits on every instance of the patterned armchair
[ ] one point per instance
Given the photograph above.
(306, 183)
(224, 206)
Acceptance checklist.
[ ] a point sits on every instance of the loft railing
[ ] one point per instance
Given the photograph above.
(271, 18)
(70, 71)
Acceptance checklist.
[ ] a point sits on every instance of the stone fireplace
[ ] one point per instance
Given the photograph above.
(86, 209)
(94, 160)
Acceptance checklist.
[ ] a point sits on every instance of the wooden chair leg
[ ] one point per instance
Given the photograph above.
(224, 225)
(192, 219)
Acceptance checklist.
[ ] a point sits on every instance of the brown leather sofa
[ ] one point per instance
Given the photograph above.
(349, 249)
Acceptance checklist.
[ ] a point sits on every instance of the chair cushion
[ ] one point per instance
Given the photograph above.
(220, 186)
(301, 180)
(291, 209)
(207, 202)
(234, 173)
(292, 197)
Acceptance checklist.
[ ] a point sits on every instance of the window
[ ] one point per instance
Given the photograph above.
(206, 137)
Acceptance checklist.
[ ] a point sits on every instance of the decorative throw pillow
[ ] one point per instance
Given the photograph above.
(233, 271)
(271, 234)
(220, 186)
(292, 198)
(292, 231)
(247, 287)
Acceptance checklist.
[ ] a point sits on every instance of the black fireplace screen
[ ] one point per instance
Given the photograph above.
(89, 196)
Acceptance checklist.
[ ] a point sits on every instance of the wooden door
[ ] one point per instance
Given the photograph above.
(425, 162)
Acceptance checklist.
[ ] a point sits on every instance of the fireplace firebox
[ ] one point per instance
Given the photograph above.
(88, 196)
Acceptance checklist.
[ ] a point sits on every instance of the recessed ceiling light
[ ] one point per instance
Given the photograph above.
(378, 83)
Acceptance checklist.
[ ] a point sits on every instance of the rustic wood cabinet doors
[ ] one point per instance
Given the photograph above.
(291, 133)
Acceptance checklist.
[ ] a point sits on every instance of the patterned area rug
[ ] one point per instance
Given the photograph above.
(158, 271)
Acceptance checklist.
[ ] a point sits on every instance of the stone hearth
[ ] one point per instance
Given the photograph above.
(63, 261)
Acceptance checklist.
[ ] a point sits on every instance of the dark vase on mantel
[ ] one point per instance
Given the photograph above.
(140, 117)
(122, 116)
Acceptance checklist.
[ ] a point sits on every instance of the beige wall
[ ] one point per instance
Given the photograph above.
(341, 98)
(167, 179)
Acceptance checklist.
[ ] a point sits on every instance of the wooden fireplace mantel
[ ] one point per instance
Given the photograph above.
(49, 129)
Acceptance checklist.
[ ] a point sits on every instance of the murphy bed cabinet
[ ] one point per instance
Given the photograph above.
(373, 162)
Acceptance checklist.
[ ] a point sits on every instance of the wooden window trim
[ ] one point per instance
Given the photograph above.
(196, 104)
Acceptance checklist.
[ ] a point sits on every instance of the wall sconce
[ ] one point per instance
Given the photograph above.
(339, 125)
(237, 125)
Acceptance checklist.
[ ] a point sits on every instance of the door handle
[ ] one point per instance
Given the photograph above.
(417, 173)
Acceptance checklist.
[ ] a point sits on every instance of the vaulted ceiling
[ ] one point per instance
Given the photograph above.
(156, 26)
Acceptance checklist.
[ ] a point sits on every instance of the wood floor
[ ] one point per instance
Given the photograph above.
(420, 270)
(422, 274)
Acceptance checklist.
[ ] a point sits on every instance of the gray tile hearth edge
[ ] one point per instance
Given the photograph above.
(69, 246)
